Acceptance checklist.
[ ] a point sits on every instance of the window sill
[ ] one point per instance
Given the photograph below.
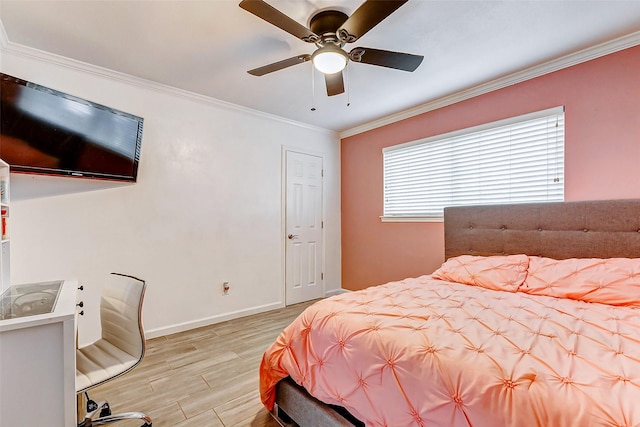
(409, 219)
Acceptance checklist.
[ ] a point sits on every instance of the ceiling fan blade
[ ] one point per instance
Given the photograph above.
(261, 71)
(386, 58)
(274, 16)
(368, 15)
(335, 83)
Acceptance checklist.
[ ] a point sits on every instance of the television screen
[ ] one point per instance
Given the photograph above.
(45, 131)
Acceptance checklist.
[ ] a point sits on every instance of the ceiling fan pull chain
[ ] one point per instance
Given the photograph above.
(348, 82)
(313, 89)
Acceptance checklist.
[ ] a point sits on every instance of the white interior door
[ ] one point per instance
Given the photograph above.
(304, 251)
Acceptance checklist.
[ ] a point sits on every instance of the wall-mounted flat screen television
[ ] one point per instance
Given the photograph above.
(44, 131)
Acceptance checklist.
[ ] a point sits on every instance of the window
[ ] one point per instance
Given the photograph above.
(517, 160)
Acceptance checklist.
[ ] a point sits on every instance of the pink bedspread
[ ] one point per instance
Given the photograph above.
(425, 352)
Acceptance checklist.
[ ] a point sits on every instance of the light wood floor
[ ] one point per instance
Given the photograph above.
(205, 377)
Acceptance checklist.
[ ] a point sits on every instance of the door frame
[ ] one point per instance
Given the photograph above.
(283, 216)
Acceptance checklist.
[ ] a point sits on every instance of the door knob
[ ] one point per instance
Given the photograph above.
(292, 236)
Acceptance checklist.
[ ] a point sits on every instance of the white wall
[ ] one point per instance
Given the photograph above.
(207, 206)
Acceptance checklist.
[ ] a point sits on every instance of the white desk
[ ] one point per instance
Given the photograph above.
(38, 365)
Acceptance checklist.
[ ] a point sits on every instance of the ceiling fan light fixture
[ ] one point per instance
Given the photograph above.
(329, 59)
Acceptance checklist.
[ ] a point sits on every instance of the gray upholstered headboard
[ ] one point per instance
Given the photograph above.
(591, 229)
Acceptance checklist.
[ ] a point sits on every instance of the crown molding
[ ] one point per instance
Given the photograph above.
(597, 51)
(8, 47)
(548, 67)
(4, 40)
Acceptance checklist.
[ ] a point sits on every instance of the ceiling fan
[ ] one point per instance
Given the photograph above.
(330, 30)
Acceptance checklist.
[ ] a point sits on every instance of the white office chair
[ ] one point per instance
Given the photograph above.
(118, 351)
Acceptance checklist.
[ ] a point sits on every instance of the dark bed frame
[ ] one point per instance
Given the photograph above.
(590, 229)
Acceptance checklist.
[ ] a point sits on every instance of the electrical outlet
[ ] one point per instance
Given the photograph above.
(225, 288)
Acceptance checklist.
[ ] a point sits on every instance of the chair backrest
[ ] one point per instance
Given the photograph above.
(121, 313)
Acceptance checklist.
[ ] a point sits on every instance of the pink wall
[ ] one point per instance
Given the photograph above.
(602, 160)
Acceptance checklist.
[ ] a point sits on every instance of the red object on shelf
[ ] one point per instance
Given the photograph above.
(5, 233)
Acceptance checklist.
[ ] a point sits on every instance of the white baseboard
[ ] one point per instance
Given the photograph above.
(181, 327)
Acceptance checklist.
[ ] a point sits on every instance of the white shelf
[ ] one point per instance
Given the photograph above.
(5, 211)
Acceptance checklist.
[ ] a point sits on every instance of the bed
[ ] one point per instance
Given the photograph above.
(532, 320)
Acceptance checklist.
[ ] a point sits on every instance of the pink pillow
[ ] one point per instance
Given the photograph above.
(613, 281)
(502, 272)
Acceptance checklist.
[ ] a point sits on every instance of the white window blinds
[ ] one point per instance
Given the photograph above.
(517, 160)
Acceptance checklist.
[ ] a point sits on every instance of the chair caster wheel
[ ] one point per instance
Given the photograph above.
(91, 405)
(105, 411)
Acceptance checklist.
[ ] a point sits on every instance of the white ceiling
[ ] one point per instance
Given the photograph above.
(206, 47)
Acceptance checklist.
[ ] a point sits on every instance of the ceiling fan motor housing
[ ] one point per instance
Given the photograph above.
(326, 23)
